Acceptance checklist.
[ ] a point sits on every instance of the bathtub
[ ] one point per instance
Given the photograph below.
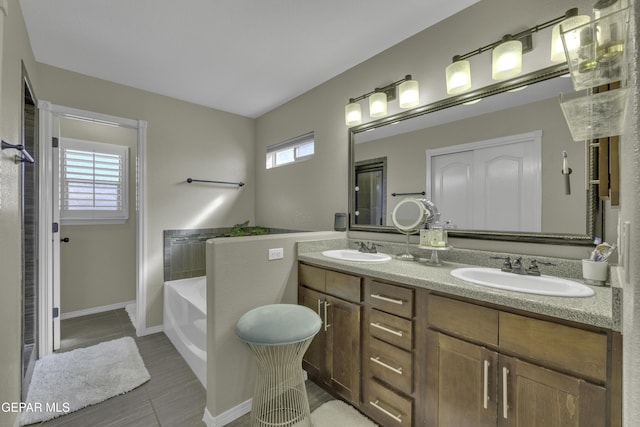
(185, 321)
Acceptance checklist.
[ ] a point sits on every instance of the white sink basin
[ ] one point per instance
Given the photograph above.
(354, 255)
(541, 285)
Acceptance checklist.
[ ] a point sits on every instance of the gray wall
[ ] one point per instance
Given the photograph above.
(630, 212)
(14, 48)
(240, 278)
(306, 195)
(183, 140)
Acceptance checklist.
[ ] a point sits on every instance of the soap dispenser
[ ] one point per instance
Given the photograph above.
(438, 235)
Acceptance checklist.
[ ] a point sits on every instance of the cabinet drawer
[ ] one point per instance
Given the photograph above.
(463, 319)
(391, 365)
(388, 407)
(343, 286)
(390, 298)
(575, 350)
(392, 329)
(312, 277)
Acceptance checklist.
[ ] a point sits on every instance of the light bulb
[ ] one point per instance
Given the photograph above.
(352, 114)
(506, 59)
(458, 77)
(378, 105)
(409, 94)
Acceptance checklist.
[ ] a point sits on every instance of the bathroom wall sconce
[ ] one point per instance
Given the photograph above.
(506, 56)
(409, 96)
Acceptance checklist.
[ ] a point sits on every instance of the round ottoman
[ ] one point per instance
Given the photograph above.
(278, 335)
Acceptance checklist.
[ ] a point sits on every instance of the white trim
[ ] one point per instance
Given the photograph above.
(45, 287)
(150, 331)
(141, 221)
(47, 113)
(95, 310)
(227, 416)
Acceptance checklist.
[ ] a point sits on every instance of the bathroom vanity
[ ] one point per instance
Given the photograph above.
(409, 345)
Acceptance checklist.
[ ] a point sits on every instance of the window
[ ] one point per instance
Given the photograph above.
(291, 151)
(93, 182)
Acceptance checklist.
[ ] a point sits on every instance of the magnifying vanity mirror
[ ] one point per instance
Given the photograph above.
(409, 216)
(469, 161)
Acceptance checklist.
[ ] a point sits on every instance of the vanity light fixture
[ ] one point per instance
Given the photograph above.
(506, 56)
(409, 96)
(378, 104)
(352, 113)
(409, 93)
(458, 76)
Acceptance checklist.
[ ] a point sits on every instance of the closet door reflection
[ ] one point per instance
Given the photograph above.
(370, 192)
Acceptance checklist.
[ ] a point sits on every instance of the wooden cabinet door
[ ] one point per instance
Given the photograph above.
(343, 348)
(314, 361)
(532, 396)
(461, 383)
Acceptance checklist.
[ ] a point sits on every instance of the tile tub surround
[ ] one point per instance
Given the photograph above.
(184, 250)
(601, 310)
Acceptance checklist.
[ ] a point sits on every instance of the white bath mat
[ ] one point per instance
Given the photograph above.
(67, 382)
(337, 413)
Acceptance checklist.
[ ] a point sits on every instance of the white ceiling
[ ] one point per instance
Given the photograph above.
(242, 56)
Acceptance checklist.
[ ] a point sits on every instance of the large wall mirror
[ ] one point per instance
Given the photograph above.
(493, 168)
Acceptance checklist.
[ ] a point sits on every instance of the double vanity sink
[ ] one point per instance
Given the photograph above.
(484, 276)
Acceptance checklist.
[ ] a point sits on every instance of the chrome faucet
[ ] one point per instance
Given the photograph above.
(362, 247)
(515, 266)
(506, 265)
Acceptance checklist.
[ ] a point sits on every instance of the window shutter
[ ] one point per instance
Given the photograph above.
(93, 181)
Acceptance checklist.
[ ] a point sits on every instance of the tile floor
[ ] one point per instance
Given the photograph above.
(172, 397)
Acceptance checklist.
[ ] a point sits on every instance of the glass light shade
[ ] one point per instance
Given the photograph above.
(572, 41)
(458, 77)
(506, 60)
(353, 114)
(595, 116)
(600, 57)
(409, 94)
(378, 105)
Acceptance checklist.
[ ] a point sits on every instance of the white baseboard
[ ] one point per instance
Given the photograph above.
(95, 310)
(149, 331)
(227, 416)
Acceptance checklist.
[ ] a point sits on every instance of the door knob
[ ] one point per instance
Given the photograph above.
(65, 240)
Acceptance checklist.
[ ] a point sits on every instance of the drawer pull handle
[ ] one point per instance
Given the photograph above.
(485, 397)
(376, 405)
(384, 365)
(384, 328)
(386, 299)
(326, 319)
(505, 404)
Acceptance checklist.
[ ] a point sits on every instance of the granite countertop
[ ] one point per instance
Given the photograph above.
(601, 309)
